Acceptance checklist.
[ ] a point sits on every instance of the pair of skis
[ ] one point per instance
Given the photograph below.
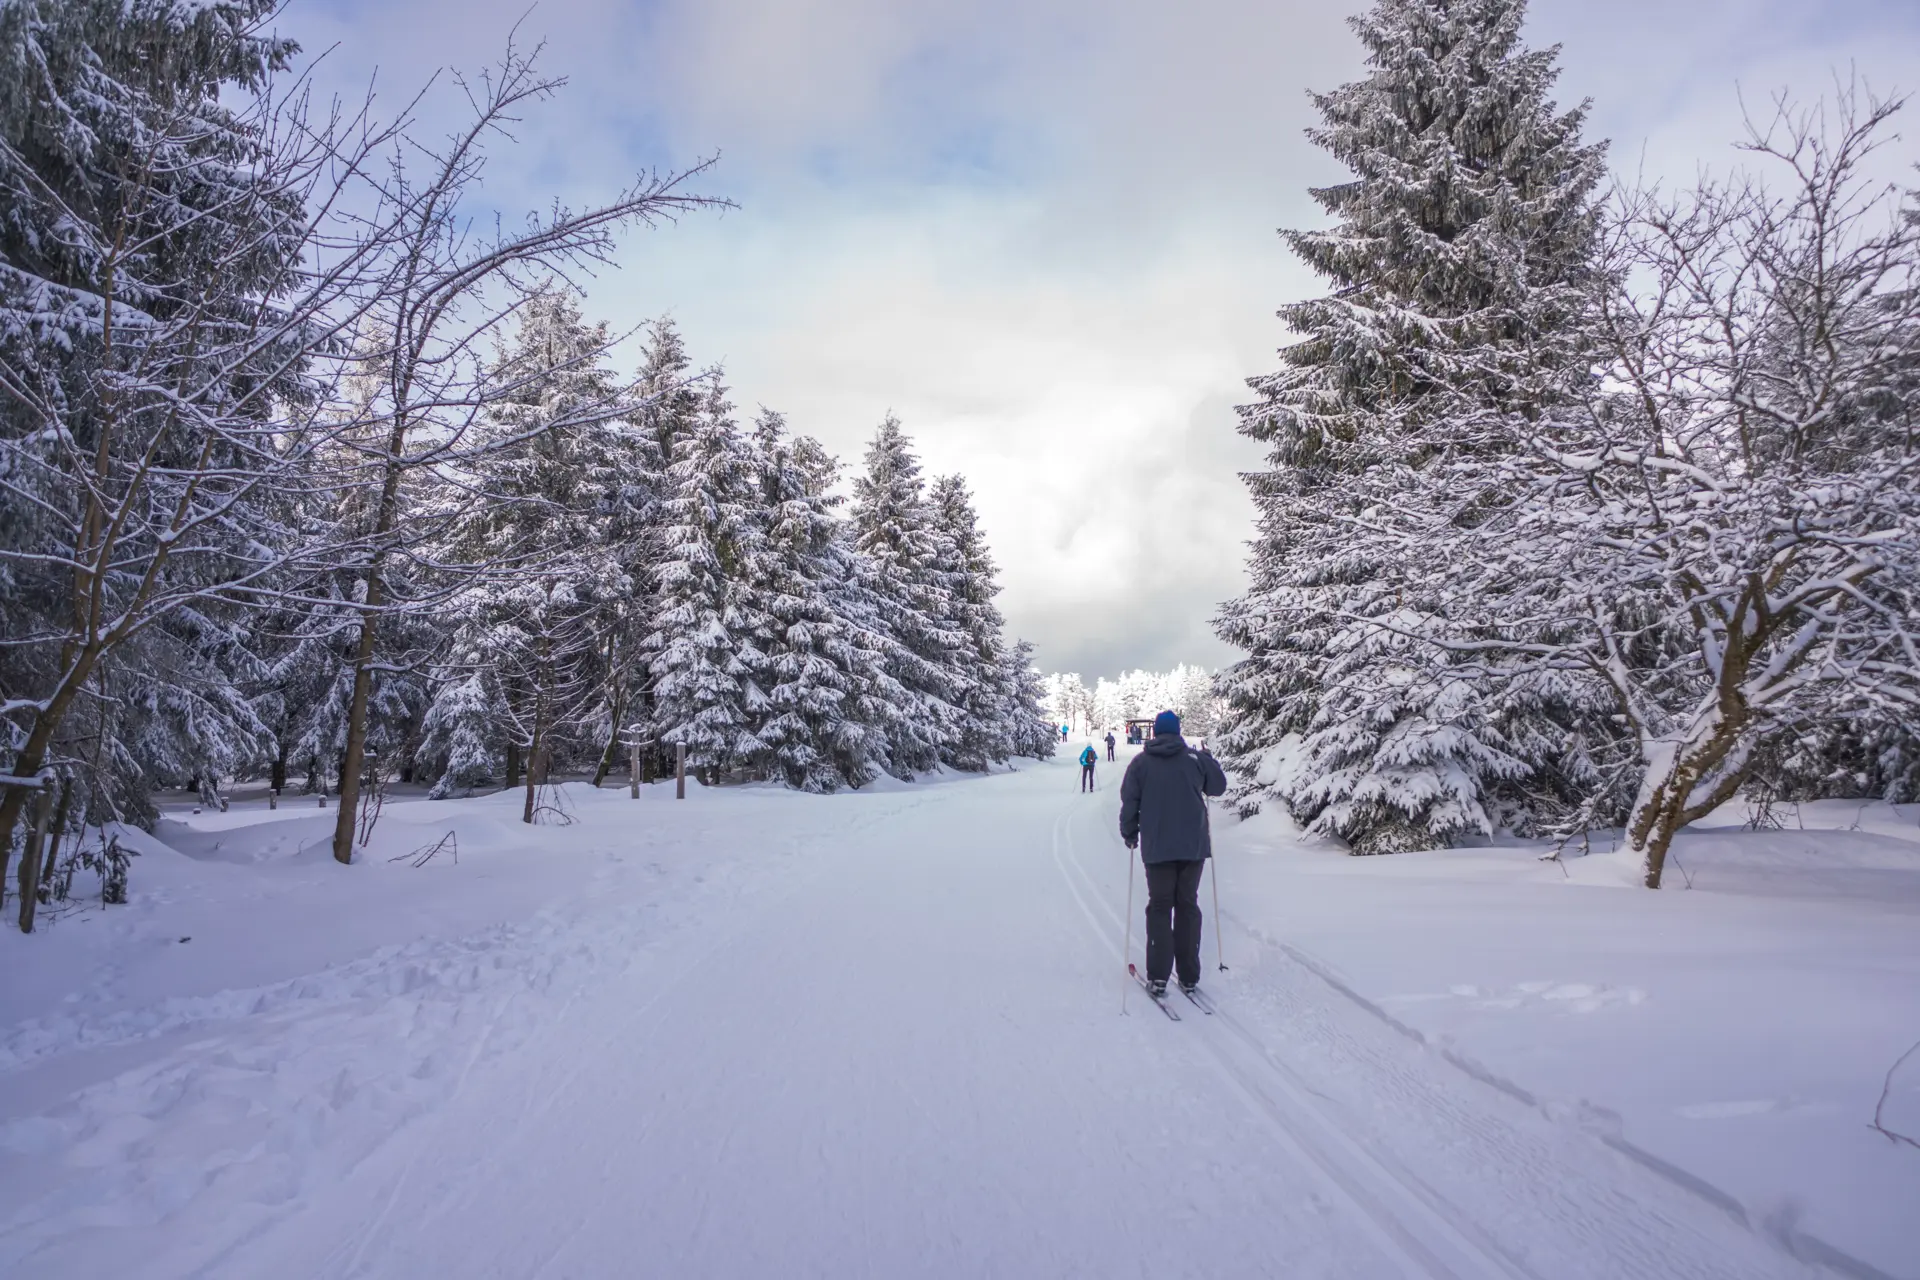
(1200, 1002)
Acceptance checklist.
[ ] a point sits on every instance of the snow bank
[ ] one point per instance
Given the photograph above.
(1736, 1035)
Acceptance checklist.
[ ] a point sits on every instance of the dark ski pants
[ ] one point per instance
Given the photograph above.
(1173, 920)
(1086, 777)
(1109, 753)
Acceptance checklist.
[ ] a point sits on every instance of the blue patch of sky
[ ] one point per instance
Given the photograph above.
(938, 123)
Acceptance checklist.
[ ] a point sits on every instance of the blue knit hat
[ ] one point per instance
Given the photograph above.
(1166, 722)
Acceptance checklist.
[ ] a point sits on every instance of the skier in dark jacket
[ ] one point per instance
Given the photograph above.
(1109, 746)
(1163, 812)
(1088, 759)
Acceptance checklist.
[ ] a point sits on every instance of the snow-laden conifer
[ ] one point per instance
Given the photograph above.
(142, 227)
(533, 513)
(979, 674)
(462, 730)
(666, 395)
(1458, 260)
(893, 531)
(1030, 730)
(812, 666)
(702, 649)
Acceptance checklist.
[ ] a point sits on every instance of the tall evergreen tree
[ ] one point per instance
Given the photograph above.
(142, 234)
(702, 650)
(534, 511)
(1031, 731)
(894, 532)
(1459, 259)
(667, 396)
(984, 695)
(814, 668)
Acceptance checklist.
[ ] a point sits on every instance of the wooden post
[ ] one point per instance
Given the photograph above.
(679, 771)
(273, 799)
(633, 769)
(30, 859)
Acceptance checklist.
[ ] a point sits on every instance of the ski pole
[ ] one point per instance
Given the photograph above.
(1126, 951)
(1219, 951)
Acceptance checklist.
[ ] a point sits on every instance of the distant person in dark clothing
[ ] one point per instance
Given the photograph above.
(1109, 746)
(1163, 813)
(1087, 760)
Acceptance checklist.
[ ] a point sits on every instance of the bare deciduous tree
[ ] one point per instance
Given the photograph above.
(1722, 528)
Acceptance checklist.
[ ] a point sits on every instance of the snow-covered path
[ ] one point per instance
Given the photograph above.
(896, 1052)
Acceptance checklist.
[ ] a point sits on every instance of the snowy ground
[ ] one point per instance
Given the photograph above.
(761, 1034)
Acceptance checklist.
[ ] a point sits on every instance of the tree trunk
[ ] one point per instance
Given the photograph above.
(608, 756)
(536, 772)
(355, 756)
(31, 756)
(1650, 830)
(50, 856)
(386, 517)
(277, 774)
(1674, 768)
(513, 765)
(30, 860)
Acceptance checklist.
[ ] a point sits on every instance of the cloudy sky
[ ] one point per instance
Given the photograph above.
(1041, 232)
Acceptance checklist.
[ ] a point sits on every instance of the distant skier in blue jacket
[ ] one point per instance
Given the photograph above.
(1163, 812)
(1088, 759)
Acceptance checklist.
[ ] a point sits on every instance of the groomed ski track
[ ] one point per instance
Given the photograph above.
(896, 1050)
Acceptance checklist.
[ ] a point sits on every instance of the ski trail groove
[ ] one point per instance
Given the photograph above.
(1370, 1093)
(1424, 1249)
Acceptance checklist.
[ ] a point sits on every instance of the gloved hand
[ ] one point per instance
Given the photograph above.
(1134, 843)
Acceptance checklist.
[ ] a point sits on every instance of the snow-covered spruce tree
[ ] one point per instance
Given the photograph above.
(894, 533)
(584, 482)
(1723, 532)
(1871, 754)
(880, 708)
(814, 670)
(1458, 258)
(984, 696)
(461, 733)
(702, 650)
(533, 509)
(1067, 699)
(141, 230)
(1193, 698)
(1031, 731)
(666, 395)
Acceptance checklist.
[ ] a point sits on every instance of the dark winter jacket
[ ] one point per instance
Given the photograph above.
(1163, 800)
